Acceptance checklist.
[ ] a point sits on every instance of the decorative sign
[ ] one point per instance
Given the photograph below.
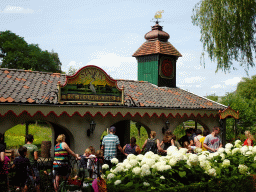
(229, 113)
(90, 84)
(166, 68)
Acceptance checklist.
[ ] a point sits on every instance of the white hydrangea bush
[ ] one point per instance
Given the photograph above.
(152, 170)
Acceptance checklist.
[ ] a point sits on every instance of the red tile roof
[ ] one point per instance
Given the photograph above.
(144, 94)
(157, 47)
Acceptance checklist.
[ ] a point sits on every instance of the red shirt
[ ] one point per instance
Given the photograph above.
(246, 143)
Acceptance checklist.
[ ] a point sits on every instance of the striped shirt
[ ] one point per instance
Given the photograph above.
(61, 157)
(110, 142)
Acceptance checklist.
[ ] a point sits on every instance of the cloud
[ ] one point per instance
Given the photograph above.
(14, 9)
(217, 86)
(116, 66)
(194, 79)
(111, 60)
(233, 81)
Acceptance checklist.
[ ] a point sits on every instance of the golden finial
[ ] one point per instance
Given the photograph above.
(158, 15)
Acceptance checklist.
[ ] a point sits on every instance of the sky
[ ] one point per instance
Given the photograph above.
(106, 33)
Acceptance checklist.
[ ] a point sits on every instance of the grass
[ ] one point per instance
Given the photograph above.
(15, 137)
(140, 139)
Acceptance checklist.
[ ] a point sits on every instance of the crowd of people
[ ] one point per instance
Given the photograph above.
(91, 161)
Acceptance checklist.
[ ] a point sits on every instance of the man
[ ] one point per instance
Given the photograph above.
(212, 141)
(185, 138)
(32, 154)
(109, 144)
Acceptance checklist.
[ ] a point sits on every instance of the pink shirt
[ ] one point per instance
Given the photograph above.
(5, 166)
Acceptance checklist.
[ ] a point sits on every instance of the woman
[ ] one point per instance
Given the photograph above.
(167, 142)
(249, 138)
(132, 148)
(151, 144)
(197, 138)
(61, 163)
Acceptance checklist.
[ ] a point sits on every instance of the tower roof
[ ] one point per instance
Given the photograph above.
(157, 43)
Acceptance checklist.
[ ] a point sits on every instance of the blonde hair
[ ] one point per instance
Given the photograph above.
(61, 138)
(88, 151)
(249, 135)
(153, 134)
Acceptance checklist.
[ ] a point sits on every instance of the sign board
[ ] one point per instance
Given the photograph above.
(90, 84)
(229, 113)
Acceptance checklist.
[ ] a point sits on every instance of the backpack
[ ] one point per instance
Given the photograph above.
(151, 146)
(83, 162)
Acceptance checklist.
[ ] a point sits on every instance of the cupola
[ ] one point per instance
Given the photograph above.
(157, 58)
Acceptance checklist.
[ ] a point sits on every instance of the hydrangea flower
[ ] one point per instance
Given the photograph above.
(221, 150)
(128, 166)
(110, 176)
(243, 169)
(238, 143)
(244, 149)
(133, 162)
(131, 156)
(226, 163)
(117, 182)
(118, 169)
(236, 150)
(193, 158)
(136, 170)
(114, 161)
(212, 172)
(198, 150)
(172, 162)
(146, 184)
(228, 146)
(105, 166)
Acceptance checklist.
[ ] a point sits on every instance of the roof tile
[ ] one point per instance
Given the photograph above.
(30, 89)
(156, 47)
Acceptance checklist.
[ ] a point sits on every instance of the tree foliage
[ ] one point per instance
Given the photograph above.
(16, 53)
(213, 97)
(244, 101)
(227, 31)
(72, 70)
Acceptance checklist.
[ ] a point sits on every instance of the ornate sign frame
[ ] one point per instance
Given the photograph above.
(228, 112)
(90, 84)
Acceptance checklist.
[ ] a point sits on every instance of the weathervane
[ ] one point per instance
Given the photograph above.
(158, 15)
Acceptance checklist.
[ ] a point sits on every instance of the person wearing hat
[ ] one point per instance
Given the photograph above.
(109, 144)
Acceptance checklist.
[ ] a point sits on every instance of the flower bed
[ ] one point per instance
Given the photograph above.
(180, 169)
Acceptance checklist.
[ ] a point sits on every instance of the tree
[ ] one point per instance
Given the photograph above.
(72, 70)
(247, 88)
(227, 31)
(244, 101)
(213, 97)
(16, 53)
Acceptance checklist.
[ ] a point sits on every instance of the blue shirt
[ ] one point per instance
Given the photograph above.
(110, 142)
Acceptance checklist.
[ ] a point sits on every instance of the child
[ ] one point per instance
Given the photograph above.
(98, 163)
(5, 168)
(190, 148)
(21, 165)
(83, 171)
(90, 163)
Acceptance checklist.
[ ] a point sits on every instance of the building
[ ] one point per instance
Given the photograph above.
(92, 103)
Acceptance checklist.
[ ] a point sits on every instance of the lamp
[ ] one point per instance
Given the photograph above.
(164, 129)
(92, 128)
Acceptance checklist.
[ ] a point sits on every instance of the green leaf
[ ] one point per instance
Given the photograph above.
(129, 184)
(182, 173)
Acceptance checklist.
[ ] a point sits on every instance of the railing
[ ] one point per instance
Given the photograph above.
(45, 167)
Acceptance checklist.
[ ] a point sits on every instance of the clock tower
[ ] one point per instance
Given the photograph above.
(157, 58)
